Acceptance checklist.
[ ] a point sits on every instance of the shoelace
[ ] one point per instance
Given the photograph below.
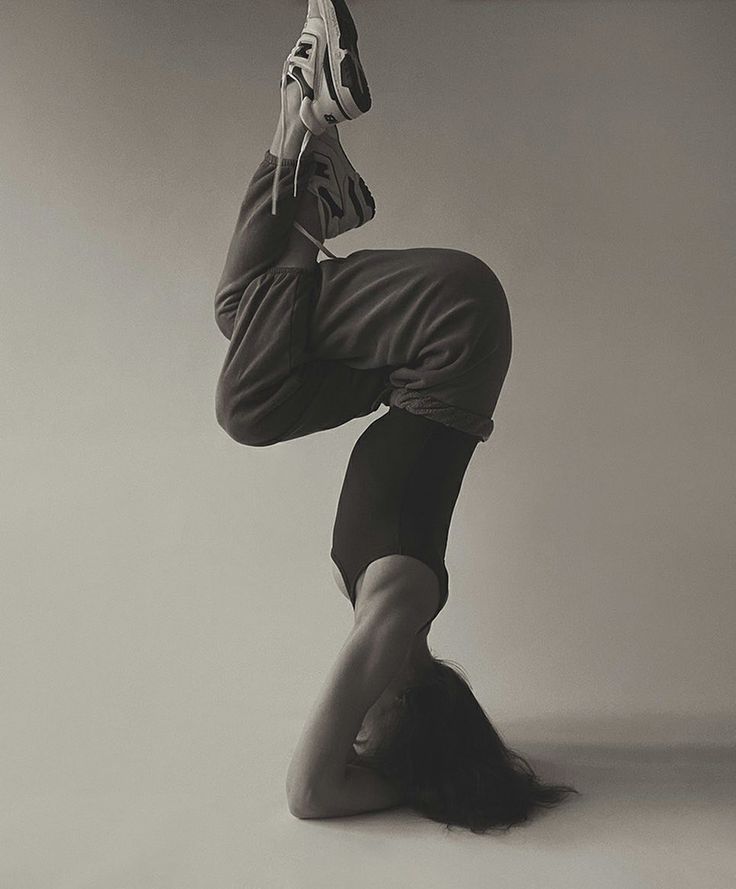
(314, 241)
(277, 174)
(305, 142)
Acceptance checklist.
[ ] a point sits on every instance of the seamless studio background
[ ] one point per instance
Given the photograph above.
(168, 606)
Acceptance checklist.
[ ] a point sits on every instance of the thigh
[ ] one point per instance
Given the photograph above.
(438, 318)
(396, 307)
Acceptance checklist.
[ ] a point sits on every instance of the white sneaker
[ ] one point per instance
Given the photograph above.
(326, 65)
(345, 201)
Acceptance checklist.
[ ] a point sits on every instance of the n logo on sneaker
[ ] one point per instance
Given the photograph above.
(336, 211)
(356, 202)
(321, 169)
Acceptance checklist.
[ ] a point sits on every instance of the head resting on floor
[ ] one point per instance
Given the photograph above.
(433, 740)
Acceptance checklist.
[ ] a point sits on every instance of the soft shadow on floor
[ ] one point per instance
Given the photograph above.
(645, 818)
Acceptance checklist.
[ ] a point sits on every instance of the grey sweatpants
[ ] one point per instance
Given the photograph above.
(425, 329)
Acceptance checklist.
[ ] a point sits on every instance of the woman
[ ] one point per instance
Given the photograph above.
(313, 345)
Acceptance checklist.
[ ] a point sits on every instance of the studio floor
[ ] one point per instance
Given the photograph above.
(646, 817)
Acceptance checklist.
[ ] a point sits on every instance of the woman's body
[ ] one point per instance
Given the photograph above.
(312, 345)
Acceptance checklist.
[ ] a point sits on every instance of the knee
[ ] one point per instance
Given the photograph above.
(245, 432)
(240, 423)
(475, 276)
(465, 273)
(476, 298)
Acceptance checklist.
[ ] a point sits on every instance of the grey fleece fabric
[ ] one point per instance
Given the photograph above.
(424, 329)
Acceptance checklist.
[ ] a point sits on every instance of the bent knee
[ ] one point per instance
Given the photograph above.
(242, 432)
(241, 424)
(474, 313)
(473, 284)
(466, 267)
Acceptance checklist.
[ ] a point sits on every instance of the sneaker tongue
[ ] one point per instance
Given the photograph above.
(314, 25)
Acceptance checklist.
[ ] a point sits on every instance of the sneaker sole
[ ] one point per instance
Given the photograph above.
(346, 79)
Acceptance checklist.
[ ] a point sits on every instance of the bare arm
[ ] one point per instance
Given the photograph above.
(323, 778)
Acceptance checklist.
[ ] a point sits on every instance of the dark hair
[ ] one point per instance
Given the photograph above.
(437, 745)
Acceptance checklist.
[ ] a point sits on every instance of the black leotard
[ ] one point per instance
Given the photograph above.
(401, 484)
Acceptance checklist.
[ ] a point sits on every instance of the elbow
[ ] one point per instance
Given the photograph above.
(303, 814)
(303, 805)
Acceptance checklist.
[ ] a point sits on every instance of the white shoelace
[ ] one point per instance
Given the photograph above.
(314, 241)
(279, 164)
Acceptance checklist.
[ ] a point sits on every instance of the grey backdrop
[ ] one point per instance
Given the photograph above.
(168, 607)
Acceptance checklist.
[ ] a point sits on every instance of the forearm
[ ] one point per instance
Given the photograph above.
(362, 790)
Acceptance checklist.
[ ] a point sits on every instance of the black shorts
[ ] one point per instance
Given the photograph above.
(401, 485)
